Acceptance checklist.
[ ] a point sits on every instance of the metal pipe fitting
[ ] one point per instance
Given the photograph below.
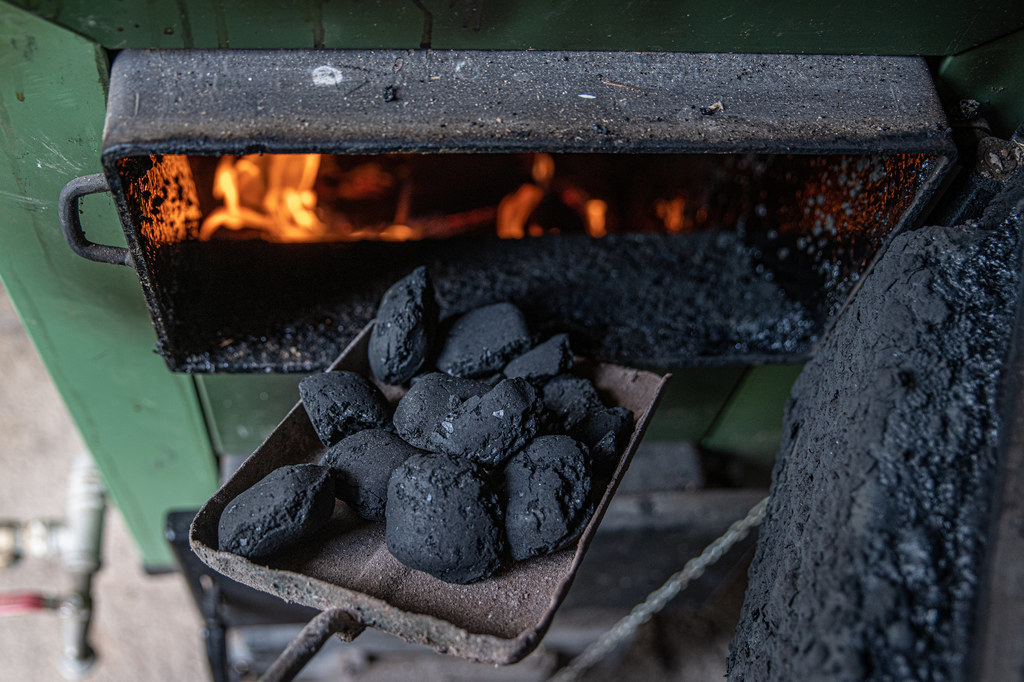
(35, 538)
(81, 545)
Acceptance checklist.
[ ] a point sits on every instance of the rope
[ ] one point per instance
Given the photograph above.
(658, 599)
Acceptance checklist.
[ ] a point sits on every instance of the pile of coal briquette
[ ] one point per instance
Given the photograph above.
(489, 458)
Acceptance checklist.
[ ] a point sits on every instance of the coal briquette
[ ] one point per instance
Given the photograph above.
(342, 403)
(568, 400)
(284, 508)
(605, 431)
(404, 329)
(552, 357)
(489, 428)
(432, 396)
(444, 519)
(483, 341)
(362, 464)
(548, 486)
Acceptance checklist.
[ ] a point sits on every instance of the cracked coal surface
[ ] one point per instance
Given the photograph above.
(430, 399)
(342, 403)
(548, 489)
(487, 429)
(404, 329)
(444, 519)
(362, 464)
(869, 560)
(284, 508)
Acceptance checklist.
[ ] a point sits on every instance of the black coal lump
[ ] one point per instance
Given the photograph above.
(443, 518)
(483, 340)
(489, 428)
(404, 329)
(283, 509)
(552, 357)
(362, 464)
(432, 396)
(568, 399)
(548, 487)
(605, 431)
(342, 403)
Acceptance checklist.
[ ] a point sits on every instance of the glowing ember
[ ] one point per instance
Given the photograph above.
(672, 213)
(543, 169)
(596, 210)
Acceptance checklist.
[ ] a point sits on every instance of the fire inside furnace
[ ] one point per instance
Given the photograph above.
(264, 261)
(308, 198)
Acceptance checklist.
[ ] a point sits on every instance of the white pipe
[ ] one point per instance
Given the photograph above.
(81, 545)
(83, 525)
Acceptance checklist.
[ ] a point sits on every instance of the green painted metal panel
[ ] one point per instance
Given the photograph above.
(750, 426)
(242, 409)
(89, 321)
(691, 401)
(992, 74)
(936, 27)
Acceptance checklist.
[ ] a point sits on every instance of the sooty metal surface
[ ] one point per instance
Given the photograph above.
(652, 300)
(347, 565)
(762, 290)
(376, 101)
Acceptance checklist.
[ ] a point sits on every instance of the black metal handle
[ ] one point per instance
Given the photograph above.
(72, 226)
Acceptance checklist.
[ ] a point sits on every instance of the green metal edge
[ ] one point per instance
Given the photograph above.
(691, 401)
(993, 75)
(919, 27)
(89, 321)
(243, 409)
(750, 425)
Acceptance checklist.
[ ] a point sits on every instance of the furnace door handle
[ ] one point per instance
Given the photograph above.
(72, 226)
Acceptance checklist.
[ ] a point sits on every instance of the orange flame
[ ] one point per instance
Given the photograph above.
(274, 196)
(516, 208)
(594, 217)
(672, 213)
(543, 169)
(270, 193)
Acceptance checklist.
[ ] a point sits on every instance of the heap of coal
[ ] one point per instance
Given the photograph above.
(645, 300)
(468, 474)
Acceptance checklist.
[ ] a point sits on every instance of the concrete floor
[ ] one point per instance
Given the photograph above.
(145, 627)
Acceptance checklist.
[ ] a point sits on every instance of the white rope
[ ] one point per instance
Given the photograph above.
(658, 599)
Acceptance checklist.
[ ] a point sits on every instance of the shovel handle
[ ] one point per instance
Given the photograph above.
(316, 633)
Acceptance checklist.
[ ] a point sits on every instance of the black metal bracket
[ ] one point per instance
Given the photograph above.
(72, 226)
